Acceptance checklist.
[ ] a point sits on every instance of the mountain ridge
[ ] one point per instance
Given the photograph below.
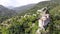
(23, 8)
(6, 13)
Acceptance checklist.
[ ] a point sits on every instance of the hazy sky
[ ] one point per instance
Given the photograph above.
(16, 3)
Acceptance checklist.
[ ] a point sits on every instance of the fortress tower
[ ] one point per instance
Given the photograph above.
(44, 18)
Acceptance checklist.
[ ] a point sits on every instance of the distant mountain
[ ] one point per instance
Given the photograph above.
(10, 7)
(57, 1)
(6, 13)
(23, 8)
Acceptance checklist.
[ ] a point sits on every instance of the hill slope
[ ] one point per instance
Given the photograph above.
(6, 13)
(57, 1)
(39, 6)
(23, 8)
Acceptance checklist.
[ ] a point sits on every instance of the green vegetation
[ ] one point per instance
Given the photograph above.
(20, 25)
(55, 24)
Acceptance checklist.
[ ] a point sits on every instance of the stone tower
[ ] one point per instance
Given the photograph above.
(44, 19)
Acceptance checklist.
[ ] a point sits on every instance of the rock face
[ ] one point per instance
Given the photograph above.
(44, 19)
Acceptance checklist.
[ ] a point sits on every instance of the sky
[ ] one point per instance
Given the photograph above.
(16, 3)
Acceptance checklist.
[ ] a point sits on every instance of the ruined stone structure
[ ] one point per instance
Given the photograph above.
(43, 20)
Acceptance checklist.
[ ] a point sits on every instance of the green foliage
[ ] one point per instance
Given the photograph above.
(54, 26)
(19, 25)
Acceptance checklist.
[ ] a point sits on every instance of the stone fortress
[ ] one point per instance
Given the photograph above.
(43, 20)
